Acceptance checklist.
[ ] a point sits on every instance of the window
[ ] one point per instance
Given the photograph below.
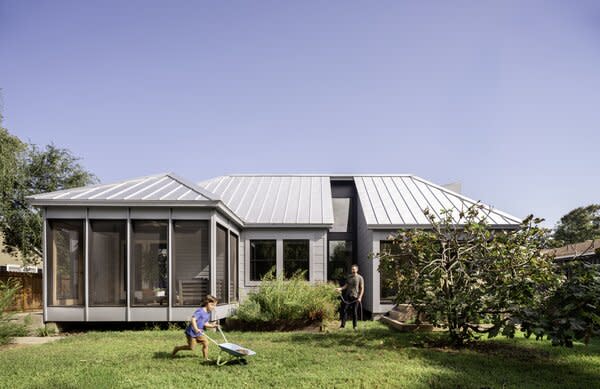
(295, 257)
(262, 258)
(221, 274)
(191, 262)
(233, 268)
(387, 295)
(108, 263)
(149, 270)
(65, 262)
(342, 214)
(340, 260)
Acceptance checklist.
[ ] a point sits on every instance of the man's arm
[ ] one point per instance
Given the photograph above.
(361, 288)
(341, 288)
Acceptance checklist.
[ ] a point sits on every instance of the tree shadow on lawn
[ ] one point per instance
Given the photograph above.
(484, 363)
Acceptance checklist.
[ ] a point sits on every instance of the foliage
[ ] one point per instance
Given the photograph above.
(579, 225)
(572, 312)
(8, 329)
(26, 170)
(45, 331)
(461, 272)
(294, 299)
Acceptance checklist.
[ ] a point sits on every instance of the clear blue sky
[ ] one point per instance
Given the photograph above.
(501, 96)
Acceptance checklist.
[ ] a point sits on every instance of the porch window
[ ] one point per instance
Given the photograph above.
(295, 257)
(65, 262)
(149, 270)
(191, 262)
(262, 258)
(221, 274)
(108, 263)
(233, 268)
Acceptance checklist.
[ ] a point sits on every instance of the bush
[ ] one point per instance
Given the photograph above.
(8, 329)
(280, 303)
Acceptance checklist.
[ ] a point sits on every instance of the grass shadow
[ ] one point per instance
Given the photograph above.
(163, 355)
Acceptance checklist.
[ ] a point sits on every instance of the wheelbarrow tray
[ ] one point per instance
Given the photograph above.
(238, 352)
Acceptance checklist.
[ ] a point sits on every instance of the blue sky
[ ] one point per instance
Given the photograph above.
(501, 96)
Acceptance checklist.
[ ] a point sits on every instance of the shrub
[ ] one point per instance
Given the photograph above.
(9, 329)
(280, 302)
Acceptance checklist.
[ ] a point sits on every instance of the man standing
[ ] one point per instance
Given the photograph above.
(352, 296)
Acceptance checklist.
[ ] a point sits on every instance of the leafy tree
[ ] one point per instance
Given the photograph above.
(461, 272)
(28, 170)
(572, 312)
(579, 225)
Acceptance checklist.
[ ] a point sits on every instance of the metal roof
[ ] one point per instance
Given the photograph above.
(401, 201)
(276, 199)
(161, 187)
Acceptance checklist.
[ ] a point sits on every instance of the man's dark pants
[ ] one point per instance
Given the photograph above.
(353, 308)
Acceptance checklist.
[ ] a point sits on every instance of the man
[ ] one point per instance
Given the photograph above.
(352, 296)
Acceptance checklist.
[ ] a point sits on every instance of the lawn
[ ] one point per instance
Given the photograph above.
(374, 357)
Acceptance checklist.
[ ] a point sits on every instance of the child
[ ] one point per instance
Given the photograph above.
(195, 331)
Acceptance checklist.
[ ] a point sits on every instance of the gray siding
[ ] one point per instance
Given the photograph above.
(364, 243)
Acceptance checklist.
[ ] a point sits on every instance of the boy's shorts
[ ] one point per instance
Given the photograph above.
(198, 339)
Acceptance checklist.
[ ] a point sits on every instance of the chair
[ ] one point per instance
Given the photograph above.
(193, 291)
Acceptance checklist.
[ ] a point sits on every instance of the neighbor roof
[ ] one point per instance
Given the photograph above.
(165, 187)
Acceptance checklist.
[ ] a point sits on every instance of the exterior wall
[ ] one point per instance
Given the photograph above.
(364, 243)
(129, 313)
(317, 252)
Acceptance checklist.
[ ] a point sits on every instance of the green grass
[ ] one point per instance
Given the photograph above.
(376, 357)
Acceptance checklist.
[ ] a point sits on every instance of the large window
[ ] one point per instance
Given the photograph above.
(221, 271)
(233, 268)
(262, 258)
(65, 262)
(387, 294)
(342, 214)
(191, 262)
(108, 263)
(149, 270)
(340, 260)
(295, 257)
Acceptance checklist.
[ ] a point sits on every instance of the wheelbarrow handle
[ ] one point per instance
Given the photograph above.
(222, 334)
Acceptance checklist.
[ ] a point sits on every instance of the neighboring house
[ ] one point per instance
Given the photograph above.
(149, 249)
(13, 263)
(586, 251)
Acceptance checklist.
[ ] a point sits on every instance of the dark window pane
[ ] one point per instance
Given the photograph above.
(108, 266)
(262, 258)
(65, 262)
(149, 270)
(340, 260)
(387, 294)
(295, 257)
(221, 273)
(191, 262)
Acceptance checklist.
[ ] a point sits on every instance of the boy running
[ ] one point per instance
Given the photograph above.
(195, 330)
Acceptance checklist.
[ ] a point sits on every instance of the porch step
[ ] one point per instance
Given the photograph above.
(403, 312)
(402, 327)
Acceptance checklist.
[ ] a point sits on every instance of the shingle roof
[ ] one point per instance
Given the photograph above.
(160, 187)
(276, 199)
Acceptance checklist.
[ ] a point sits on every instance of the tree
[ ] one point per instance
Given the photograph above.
(579, 225)
(461, 272)
(28, 170)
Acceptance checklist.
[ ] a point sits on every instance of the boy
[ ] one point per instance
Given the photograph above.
(195, 330)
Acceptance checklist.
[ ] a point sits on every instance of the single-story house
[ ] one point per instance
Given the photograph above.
(588, 251)
(150, 248)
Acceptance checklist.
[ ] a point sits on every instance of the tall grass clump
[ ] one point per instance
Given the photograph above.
(9, 329)
(288, 302)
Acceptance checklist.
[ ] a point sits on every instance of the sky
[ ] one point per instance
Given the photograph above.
(501, 96)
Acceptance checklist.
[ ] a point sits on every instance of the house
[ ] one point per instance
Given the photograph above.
(149, 249)
(588, 251)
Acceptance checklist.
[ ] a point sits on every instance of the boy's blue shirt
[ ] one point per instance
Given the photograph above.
(202, 317)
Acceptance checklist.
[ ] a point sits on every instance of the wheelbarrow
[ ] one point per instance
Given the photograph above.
(235, 352)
